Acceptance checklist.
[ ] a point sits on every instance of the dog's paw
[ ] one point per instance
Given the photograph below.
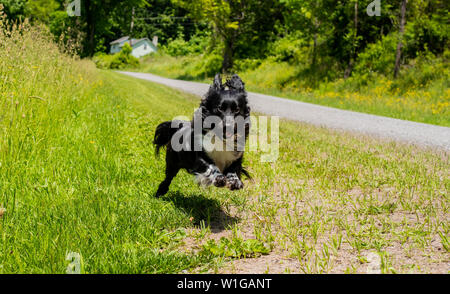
(233, 182)
(210, 177)
(219, 181)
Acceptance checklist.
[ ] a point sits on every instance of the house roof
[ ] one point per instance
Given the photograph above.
(120, 40)
(134, 42)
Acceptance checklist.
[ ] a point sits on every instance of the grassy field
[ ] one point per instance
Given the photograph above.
(427, 101)
(78, 174)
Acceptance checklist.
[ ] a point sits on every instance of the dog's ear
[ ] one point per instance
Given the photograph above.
(236, 83)
(217, 84)
(213, 93)
(247, 111)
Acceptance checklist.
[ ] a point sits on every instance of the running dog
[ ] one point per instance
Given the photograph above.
(224, 118)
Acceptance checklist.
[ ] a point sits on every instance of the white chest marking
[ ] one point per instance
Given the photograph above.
(223, 159)
(217, 150)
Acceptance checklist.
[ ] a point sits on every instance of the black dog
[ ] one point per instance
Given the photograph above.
(217, 166)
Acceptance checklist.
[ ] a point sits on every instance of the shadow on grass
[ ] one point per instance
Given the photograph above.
(202, 209)
(187, 77)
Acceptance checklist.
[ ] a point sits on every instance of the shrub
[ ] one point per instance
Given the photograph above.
(246, 64)
(180, 47)
(119, 60)
(378, 57)
(177, 47)
(209, 65)
(289, 49)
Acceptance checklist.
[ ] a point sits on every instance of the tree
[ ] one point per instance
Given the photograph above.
(15, 9)
(310, 17)
(400, 38)
(354, 44)
(160, 18)
(42, 9)
(97, 15)
(225, 18)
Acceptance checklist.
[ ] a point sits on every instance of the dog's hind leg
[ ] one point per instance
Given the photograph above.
(164, 186)
(171, 171)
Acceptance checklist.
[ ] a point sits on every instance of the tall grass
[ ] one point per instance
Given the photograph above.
(38, 88)
(74, 175)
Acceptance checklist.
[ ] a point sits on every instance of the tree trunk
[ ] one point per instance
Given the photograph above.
(132, 23)
(314, 57)
(227, 63)
(90, 25)
(316, 32)
(400, 38)
(349, 69)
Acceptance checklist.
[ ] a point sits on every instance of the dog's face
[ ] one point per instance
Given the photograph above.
(229, 103)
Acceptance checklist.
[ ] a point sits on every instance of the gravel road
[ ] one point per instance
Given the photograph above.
(384, 127)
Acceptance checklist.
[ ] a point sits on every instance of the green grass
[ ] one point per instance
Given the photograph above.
(407, 98)
(78, 170)
(89, 189)
(78, 173)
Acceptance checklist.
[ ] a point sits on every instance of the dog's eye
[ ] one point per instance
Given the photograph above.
(222, 107)
(237, 110)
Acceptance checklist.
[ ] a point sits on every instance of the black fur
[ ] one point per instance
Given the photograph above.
(225, 101)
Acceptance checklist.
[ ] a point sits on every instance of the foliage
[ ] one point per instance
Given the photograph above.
(14, 9)
(316, 34)
(120, 60)
(178, 47)
(235, 247)
(181, 47)
(239, 27)
(42, 10)
(160, 18)
(208, 66)
(289, 48)
(378, 57)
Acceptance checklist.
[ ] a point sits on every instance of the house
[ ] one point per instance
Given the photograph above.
(140, 47)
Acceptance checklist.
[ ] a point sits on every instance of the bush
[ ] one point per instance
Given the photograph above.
(378, 57)
(209, 65)
(119, 60)
(290, 49)
(180, 47)
(246, 64)
(177, 47)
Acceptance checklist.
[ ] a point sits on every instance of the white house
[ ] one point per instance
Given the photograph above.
(140, 47)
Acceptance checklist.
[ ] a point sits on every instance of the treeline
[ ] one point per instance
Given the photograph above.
(330, 35)
(328, 38)
(102, 21)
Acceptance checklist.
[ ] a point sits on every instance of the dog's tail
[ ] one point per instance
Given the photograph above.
(163, 135)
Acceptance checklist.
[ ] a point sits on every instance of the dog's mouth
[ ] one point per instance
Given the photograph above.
(228, 134)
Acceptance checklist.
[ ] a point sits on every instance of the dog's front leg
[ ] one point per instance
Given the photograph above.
(208, 174)
(233, 176)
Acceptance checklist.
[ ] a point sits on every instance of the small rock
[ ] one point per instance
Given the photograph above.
(374, 265)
